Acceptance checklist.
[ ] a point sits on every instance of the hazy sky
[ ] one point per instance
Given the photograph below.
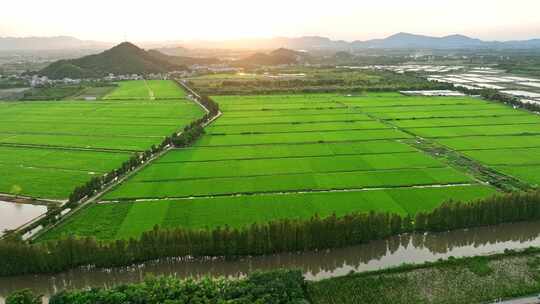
(156, 20)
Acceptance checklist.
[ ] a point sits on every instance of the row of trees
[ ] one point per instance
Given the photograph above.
(278, 236)
(333, 80)
(491, 94)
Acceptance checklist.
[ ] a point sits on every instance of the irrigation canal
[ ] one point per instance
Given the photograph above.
(411, 248)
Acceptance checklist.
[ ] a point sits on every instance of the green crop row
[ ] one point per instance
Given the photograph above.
(288, 182)
(123, 220)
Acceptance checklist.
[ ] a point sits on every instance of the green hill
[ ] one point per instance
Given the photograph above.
(125, 58)
(183, 60)
(278, 57)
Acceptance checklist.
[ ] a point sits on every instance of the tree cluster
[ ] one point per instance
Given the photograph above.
(258, 288)
(278, 236)
(491, 94)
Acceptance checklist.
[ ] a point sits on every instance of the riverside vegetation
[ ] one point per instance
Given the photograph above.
(278, 236)
(472, 280)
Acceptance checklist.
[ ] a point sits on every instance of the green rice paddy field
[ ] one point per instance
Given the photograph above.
(146, 90)
(108, 221)
(48, 148)
(294, 156)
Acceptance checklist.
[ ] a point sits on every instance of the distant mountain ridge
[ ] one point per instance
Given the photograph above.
(412, 41)
(396, 41)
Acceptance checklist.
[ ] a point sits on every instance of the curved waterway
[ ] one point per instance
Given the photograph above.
(411, 248)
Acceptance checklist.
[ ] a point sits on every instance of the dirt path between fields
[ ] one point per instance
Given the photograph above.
(306, 191)
(150, 91)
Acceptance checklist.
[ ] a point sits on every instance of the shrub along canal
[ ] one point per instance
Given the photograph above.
(410, 248)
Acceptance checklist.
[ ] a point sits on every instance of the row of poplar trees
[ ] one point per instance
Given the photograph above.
(278, 236)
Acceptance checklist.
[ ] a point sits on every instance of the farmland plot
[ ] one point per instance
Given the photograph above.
(48, 148)
(495, 135)
(109, 221)
(146, 90)
(294, 156)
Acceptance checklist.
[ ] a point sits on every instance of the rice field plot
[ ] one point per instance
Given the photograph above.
(282, 157)
(97, 120)
(276, 99)
(164, 171)
(506, 157)
(301, 137)
(110, 221)
(61, 159)
(120, 143)
(490, 142)
(277, 106)
(371, 99)
(74, 128)
(314, 111)
(520, 163)
(374, 102)
(146, 90)
(290, 119)
(131, 89)
(472, 107)
(93, 92)
(45, 183)
(165, 89)
(519, 129)
(48, 148)
(52, 173)
(275, 157)
(450, 114)
(218, 153)
(471, 121)
(493, 134)
(288, 183)
(81, 110)
(121, 125)
(297, 127)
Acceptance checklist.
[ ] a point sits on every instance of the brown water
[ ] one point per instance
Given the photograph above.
(414, 248)
(13, 215)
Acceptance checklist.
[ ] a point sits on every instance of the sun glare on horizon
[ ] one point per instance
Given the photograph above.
(218, 20)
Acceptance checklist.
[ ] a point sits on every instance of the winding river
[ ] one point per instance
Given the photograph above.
(411, 248)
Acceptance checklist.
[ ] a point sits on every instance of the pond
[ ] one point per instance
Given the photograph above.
(14, 215)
